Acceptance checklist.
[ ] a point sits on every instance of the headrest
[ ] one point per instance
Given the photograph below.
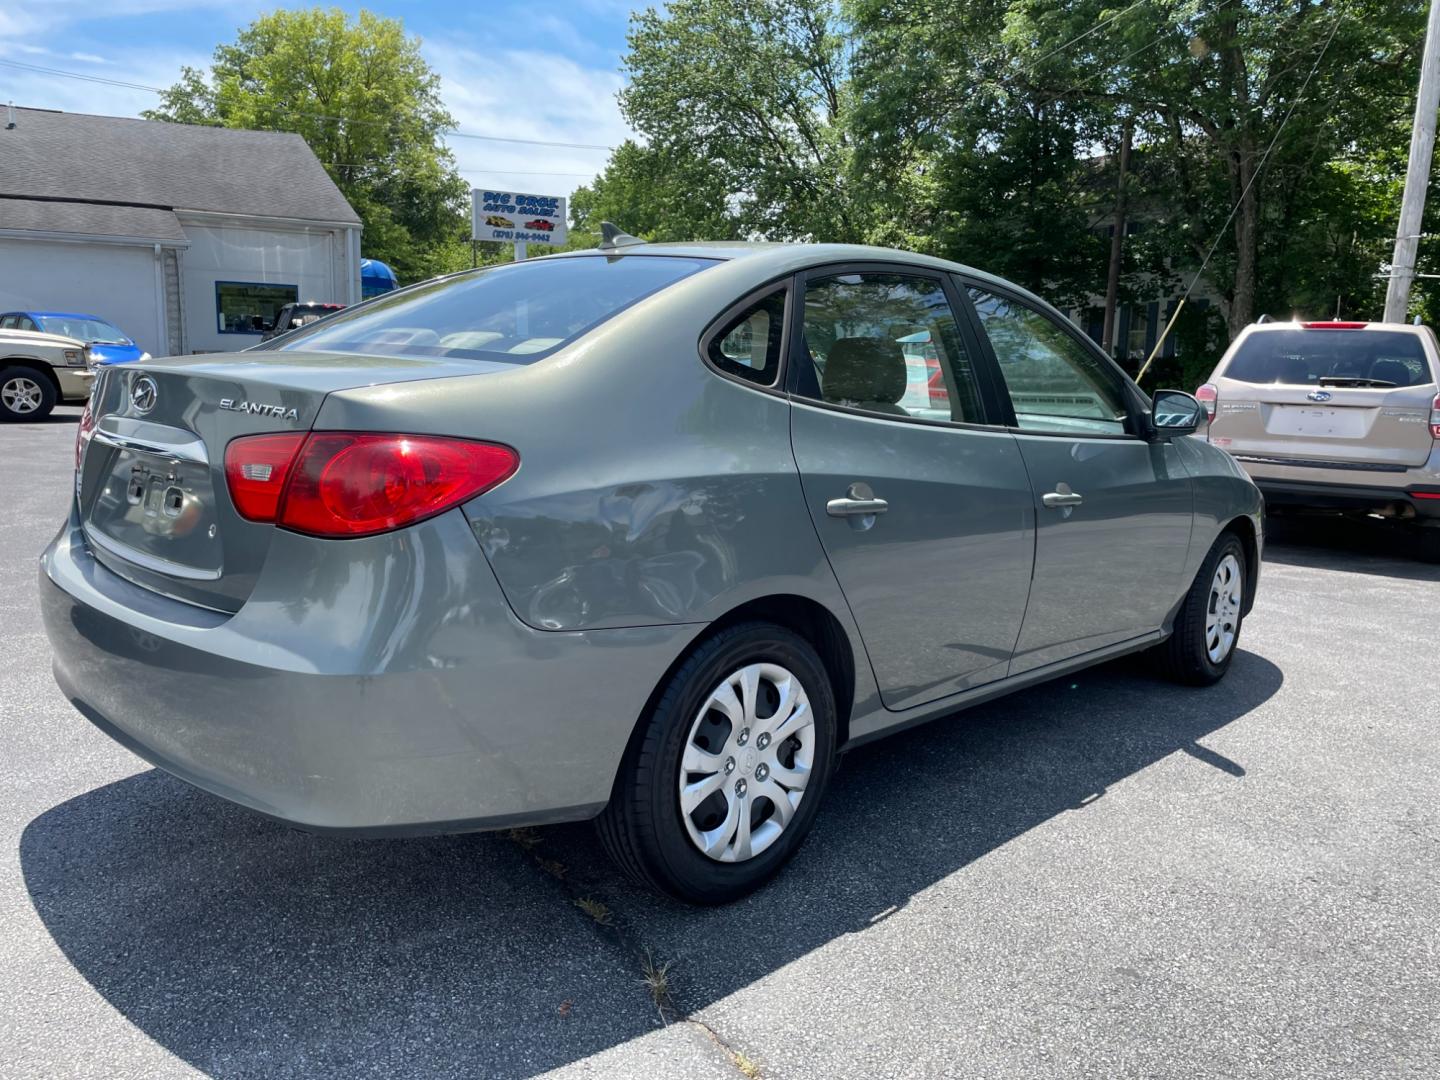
(865, 369)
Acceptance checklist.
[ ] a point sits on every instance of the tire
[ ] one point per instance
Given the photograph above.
(25, 394)
(644, 828)
(1188, 656)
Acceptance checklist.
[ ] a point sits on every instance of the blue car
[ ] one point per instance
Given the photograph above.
(108, 344)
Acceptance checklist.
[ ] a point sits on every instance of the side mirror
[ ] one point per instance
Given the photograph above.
(1174, 412)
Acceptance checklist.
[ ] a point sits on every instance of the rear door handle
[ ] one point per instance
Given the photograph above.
(1063, 496)
(859, 501)
(855, 507)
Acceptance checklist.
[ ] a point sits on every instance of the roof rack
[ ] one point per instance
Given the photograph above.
(1264, 319)
(612, 237)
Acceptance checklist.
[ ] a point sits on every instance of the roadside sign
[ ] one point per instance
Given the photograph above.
(516, 218)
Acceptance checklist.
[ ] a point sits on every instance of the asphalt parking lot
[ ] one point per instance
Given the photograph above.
(1106, 876)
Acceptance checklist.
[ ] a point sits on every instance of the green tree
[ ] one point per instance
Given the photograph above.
(369, 106)
(657, 193)
(757, 91)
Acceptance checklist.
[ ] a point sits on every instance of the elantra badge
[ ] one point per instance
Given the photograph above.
(255, 408)
(1319, 395)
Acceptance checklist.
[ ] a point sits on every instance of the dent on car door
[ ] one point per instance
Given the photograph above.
(1114, 510)
(927, 524)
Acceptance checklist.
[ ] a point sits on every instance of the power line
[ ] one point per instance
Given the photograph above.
(1081, 37)
(455, 133)
(467, 172)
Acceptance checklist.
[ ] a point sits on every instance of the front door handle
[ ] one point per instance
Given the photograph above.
(1061, 496)
(859, 501)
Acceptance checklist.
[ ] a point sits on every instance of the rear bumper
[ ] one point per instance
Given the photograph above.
(410, 702)
(1353, 497)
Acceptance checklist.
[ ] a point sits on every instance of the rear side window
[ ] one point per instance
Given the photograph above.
(887, 343)
(1379, 358)
(748, 346)
(515, 313)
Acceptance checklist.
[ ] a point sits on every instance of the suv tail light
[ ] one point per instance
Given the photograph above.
(1435, 418)
(1208, 395)
(1333, 324)
(345, 483)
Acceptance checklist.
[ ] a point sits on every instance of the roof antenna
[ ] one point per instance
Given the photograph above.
(10, 125)
(612, 237)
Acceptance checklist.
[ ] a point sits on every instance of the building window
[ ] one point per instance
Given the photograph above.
(1135, 347)
(243, 307)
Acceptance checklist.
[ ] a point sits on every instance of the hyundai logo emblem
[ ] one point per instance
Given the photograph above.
(144, 393)
(1319, 395)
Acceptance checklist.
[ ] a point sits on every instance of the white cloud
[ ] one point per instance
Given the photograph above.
(528, 94)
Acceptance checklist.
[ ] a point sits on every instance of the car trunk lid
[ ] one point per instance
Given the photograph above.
(150, 482)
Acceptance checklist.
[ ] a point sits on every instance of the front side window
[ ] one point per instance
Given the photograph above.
(748, 346)
(514, 313)
(888, 343)
(1056, 385)
(249, 307)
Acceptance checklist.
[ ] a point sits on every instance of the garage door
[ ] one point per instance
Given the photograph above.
(116, 282)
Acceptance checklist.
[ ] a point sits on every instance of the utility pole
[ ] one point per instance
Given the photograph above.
(1417, 177)
(1117, 240)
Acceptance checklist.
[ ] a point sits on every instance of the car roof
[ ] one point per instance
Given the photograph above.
(775, 259)
(1319, 325)
(60, 315)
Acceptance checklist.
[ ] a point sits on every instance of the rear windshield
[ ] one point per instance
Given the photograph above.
(1339, 357)
(518, 312)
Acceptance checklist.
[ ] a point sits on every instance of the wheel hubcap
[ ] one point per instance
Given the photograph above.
(747, 759)
(1222, 618)
(21, 395)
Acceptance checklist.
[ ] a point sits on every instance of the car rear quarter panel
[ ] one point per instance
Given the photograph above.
(651, 490)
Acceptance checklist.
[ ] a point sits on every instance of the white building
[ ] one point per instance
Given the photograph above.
(188, 238)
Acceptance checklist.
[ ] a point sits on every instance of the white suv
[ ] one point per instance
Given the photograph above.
(1338, 416)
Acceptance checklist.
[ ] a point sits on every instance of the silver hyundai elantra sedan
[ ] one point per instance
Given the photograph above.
(646, 534)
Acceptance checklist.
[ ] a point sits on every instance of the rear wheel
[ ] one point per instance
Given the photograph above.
(727, 773)
(1207, 626)
(25, 394)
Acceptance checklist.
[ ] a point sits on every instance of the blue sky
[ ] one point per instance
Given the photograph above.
(539, 71)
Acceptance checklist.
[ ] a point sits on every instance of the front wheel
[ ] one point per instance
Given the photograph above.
(1207, 626)
(728, 768)
(25, 394)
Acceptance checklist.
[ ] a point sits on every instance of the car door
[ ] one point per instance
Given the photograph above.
(920, 498)
(1114, 509)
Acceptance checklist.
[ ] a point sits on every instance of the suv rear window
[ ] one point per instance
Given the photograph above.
(1339, 357)
(516, 313)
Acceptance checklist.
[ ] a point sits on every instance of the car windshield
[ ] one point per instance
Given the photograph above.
(515, 313)
(1381, 358)
(94, 331)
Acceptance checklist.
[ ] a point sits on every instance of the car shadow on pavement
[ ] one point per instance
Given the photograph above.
(1367, 546)
(247, 948)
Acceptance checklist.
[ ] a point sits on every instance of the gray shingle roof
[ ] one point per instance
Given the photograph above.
(89, 219)
(178, 166)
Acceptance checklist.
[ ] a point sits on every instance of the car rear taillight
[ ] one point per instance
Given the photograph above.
(1208, 395)
(256, 468)
(1435, 418)
(1334, 325)
(83, 431)
(343, 483)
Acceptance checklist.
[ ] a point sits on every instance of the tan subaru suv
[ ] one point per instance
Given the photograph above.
(1335, 416)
